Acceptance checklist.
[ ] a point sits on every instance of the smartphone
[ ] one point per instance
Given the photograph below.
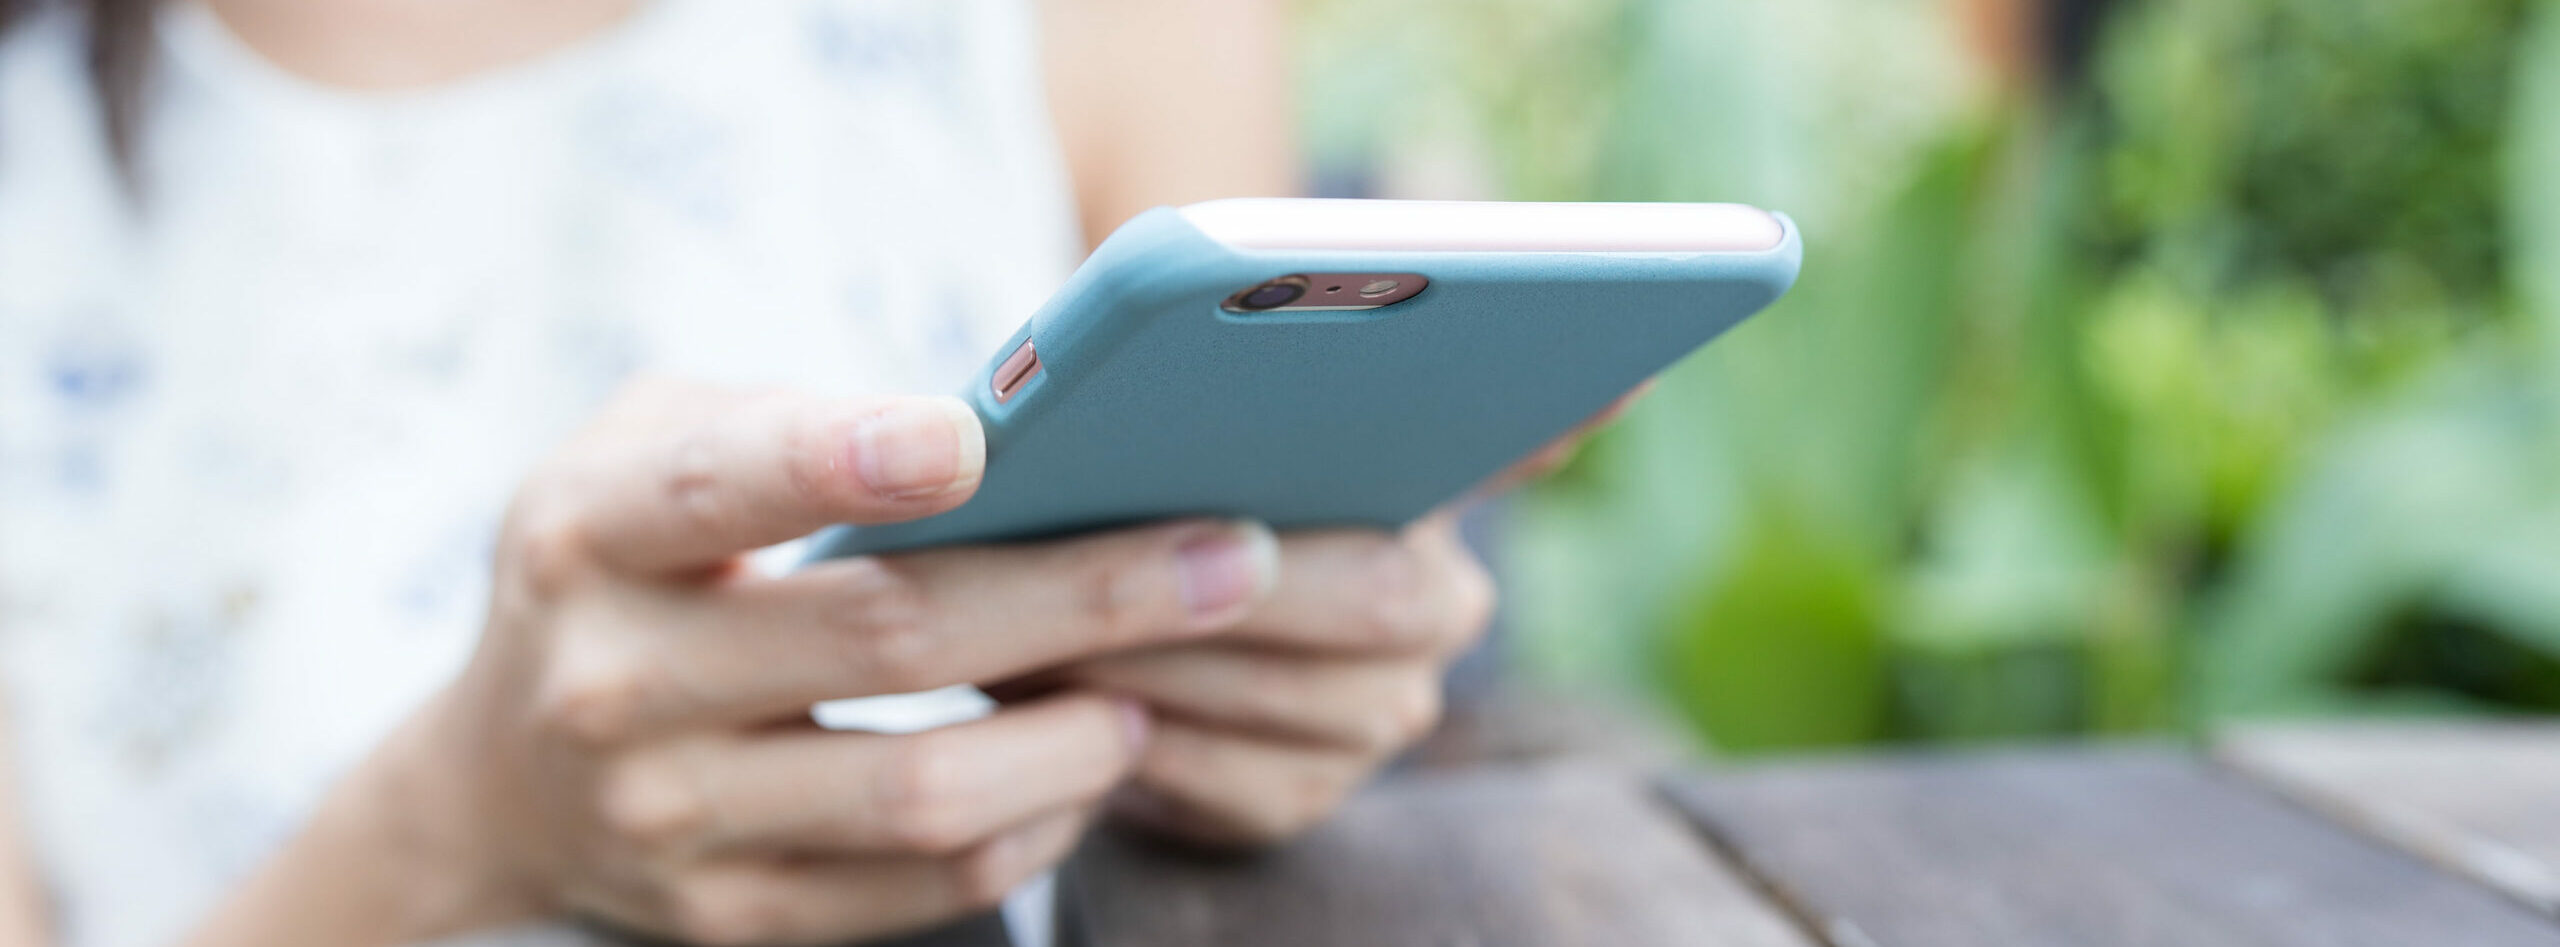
(1315, 363)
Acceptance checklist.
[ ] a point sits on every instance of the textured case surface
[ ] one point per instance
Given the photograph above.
(1153, 402)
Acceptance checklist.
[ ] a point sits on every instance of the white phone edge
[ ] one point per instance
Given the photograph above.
(1485, 226)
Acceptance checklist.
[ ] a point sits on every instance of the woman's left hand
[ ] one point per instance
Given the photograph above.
(1260, 732)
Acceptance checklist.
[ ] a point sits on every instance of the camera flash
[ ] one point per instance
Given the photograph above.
(1379, 287)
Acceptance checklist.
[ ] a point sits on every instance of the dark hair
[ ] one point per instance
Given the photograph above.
(119, 60)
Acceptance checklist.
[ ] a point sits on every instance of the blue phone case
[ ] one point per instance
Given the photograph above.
(1153, 402)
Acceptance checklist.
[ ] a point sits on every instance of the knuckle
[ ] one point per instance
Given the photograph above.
(652, 808)
(926, 827)
(725, 915)
(921, 811)
(1409, 716)
(1399, 620)
(901, 658)
(1310, 799)
(1113, 599)
(1398, 615)
(596, 703)
(884, 634)
(922, 768)
(546, 548)
(811, 471)
(1477, 597)
(1286, 806)
(983, 875)
(1428, 601)
(691, 485)
(1270, 815)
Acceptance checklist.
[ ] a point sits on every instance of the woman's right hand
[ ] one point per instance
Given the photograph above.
(631, 741)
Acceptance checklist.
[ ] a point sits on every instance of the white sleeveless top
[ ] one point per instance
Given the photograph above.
(255, 437)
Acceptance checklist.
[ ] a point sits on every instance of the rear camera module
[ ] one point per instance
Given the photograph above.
(1271, 295)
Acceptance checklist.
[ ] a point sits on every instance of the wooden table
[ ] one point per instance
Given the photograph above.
(2342, 836)
(2397, 836)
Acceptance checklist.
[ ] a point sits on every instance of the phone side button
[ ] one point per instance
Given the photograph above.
(1018, 370)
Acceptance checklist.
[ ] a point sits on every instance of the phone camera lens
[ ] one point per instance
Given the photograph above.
(1272, 295)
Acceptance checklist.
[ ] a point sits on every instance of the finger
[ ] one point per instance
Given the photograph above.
(1219, 788)
(1559, 452)
(933, 793)
(757, 471)
(758, 649)
(1370, 706)
(1420, 591)
(762, 901)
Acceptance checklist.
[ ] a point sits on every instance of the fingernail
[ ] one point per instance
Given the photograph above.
(1134, 724)
(918, 447)
(1227, 569)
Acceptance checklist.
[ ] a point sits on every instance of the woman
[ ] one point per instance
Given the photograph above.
(390, 392)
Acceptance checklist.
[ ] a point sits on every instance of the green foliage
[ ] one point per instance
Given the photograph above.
(2229, 383)
(2352, 144)
(1780, 650)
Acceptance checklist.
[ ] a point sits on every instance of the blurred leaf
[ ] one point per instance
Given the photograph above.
(1783, 649)
(2393, 514)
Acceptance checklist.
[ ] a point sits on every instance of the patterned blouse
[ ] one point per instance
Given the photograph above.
(256, 430)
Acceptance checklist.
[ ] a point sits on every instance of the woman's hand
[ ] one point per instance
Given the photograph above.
(631, 741)
(1261, 732)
